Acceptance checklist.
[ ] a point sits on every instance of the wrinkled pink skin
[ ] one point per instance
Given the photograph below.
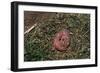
(61, 40)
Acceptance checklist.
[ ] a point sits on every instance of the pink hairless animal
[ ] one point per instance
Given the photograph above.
(61, 40)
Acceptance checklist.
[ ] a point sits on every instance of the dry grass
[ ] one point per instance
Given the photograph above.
(38, 42)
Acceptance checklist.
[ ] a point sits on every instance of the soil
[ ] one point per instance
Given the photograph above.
(31, 18)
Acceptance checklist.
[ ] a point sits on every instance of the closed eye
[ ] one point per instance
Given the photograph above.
(60, 39)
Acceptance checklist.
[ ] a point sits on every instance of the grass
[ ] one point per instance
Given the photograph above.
(38, 42)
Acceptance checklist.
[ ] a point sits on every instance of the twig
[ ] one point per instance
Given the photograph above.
(27, 31)
(85, 33)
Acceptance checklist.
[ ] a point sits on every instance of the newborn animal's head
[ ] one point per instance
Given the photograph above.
(61, 40)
